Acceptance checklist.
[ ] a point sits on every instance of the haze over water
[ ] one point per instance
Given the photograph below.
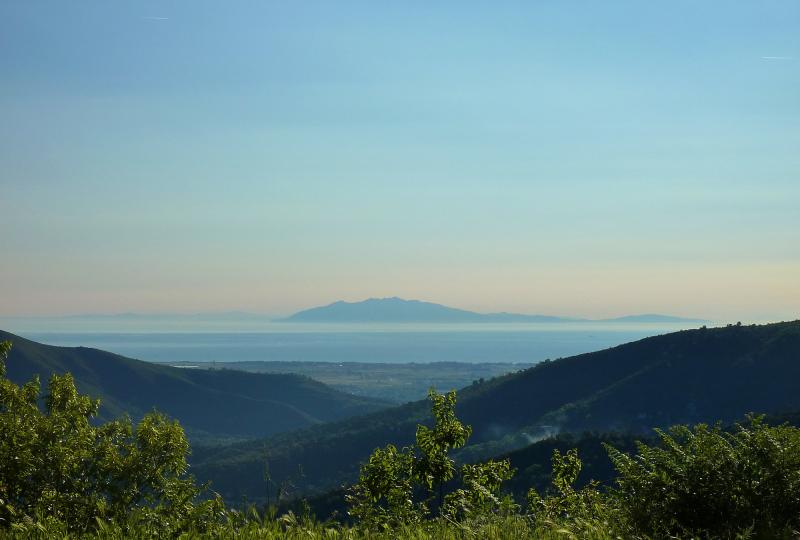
(520, 343)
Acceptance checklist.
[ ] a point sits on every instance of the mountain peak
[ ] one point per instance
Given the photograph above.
(400, 310)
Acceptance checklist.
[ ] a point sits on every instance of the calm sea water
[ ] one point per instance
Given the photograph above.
(466, 343)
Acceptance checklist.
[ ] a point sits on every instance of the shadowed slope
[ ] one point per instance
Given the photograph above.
(212, 402)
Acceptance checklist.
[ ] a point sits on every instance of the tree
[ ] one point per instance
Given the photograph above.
(57, 467)
(434, 467)
(384, 496)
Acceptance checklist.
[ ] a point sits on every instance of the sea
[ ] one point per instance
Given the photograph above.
(401, 343)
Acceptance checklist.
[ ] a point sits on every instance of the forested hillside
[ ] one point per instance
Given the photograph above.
(64, 475)
(683, 377)
(208, 403)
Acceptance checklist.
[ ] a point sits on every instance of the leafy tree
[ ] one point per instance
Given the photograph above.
(382, 498)
(434, 467)
(706, 481)
(384, 495)
(58, 467)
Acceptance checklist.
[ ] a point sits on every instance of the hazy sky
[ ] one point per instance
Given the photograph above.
(560, 157)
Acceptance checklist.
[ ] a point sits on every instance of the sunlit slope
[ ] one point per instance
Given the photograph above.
(689, 376)
(208, 402)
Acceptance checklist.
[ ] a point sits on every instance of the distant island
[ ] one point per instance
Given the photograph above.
(399, 310)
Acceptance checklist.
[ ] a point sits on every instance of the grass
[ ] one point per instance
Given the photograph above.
(499, 528)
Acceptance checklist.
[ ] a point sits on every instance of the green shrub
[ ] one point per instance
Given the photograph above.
(382, 498)
(60, 471)
(706, 481)
(582, 513)
(480, 494)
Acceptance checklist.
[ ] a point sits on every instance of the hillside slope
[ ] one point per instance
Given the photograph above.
(688, 376)
(221, 403)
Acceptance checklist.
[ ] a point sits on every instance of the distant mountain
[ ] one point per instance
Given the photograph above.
(690, 376)
(398, 310)
(207, 402)
(373, 310)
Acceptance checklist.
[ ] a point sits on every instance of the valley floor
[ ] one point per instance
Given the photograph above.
(394, 382)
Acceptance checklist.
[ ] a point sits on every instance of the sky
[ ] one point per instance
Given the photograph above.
(555, 156)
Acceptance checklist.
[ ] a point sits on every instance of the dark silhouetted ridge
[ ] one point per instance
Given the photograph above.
(208, 402)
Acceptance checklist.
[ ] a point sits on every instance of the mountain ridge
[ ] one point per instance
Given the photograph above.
(400, 310)
(434, 313)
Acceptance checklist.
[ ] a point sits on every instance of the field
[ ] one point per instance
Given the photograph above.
(398, 383)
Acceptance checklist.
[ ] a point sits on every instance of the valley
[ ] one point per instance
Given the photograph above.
(243, 417)
(393, 382)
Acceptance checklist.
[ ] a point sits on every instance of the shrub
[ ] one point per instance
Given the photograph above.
(706, 481)
(582, 513)
(58, 468)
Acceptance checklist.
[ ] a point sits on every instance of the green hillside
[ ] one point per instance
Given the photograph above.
(215, 403)
(533, 465)
(683, 377)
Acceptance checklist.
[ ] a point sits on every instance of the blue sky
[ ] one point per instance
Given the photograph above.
(562, 157)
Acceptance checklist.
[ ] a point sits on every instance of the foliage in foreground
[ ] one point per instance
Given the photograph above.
(57, 467)
(398, 487)
(505, 528)
(714, 481)
(62, 476)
